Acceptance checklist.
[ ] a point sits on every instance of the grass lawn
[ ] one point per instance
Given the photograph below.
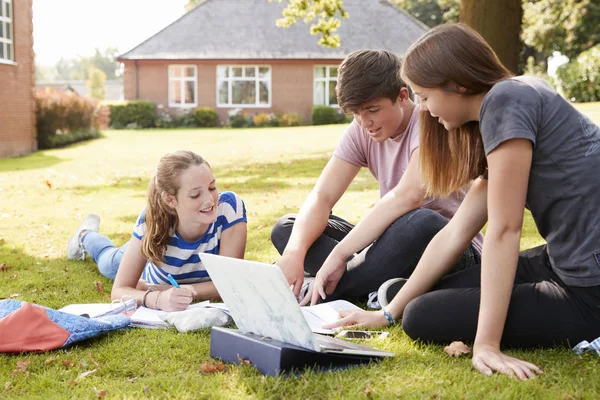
(44, 196)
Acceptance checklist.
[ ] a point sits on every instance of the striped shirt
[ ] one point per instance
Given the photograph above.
(182, 258)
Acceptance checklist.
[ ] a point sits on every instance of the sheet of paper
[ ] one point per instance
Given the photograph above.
(326, 313)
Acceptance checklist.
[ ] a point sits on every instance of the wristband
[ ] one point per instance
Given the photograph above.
(156, 301)
(150, 289)
(388, 316)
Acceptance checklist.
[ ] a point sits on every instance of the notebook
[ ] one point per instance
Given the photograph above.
(260, 302)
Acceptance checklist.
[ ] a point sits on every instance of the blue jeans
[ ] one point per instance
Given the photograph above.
(394, 254)
(104, 253)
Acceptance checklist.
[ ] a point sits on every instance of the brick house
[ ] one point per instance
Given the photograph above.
(230, 54)
(17, 112)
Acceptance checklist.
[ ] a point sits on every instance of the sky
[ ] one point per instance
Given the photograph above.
(72, 28)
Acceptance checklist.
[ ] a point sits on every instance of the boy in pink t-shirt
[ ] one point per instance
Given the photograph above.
(388, 242)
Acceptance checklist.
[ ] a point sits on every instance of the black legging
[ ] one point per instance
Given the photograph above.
(543, 311)
(394, 254)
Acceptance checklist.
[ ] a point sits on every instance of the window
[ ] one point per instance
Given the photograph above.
(183, 86)
(324, 88)
(243, 85)
(6, 31)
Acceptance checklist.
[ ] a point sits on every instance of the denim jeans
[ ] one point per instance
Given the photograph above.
(394, 254)
(104, 253)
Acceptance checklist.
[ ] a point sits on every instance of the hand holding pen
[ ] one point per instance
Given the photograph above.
(177, 298)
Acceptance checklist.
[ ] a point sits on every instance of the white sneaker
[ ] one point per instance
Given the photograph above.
(373, 301)
(308, 280)
(74, 248)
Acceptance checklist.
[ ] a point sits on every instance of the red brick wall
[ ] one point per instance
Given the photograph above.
(291, 83)
(17, 112)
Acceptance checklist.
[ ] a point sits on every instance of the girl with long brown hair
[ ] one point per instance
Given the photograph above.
(185, 216)
(525, 146)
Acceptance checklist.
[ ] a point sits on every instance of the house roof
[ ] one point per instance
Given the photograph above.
(246, 29)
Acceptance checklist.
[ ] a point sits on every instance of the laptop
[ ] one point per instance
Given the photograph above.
(260, 301)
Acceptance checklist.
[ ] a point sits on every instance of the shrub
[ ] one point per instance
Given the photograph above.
(261, 120)
(64, 139)
(206, 117)
(579, 80)
(290, 119)
(325, 115)
(238, 120)
(264, 119)
(139, 112)
(60, 113)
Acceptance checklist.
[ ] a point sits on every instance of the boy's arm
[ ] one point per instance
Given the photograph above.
(406, 196)
(312, 217)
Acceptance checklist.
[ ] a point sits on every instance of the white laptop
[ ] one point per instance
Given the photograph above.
(260, 301)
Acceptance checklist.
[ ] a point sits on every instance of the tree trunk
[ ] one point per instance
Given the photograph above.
(499, 22)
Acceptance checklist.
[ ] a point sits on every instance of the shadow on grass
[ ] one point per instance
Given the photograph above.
(51, 282)
(136, 183)
(298, 173)
(37, 160)
(283, 174)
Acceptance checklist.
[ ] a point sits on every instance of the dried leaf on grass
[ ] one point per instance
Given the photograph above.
(94, 361)
(4, 267)
(99, 286)
(21, 368)
(210, 368)
(241, 361)
(100, 393)
(457, 349)
(51, 360)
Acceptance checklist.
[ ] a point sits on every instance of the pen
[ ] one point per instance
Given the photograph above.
(173, 281)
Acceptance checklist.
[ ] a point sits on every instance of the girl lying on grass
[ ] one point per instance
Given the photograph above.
(185, 216)
(530, 148)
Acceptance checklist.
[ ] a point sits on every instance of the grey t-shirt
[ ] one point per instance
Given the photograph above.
(564, 183)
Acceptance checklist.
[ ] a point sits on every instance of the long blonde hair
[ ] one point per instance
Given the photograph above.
(161, 219)
(446, 56)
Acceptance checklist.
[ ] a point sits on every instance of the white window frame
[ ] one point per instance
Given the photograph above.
(325, 79)
(4, 42)
(256, 78)
(183, 79)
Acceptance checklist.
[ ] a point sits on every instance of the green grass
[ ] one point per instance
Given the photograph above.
(44, 196)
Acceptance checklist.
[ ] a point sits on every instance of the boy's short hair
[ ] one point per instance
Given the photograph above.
(367, 74)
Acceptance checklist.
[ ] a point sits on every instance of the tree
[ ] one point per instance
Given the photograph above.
(78, 68)
(95, 83)
(325, 10)
(568, 26)
(503, 34)
(431, 12)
